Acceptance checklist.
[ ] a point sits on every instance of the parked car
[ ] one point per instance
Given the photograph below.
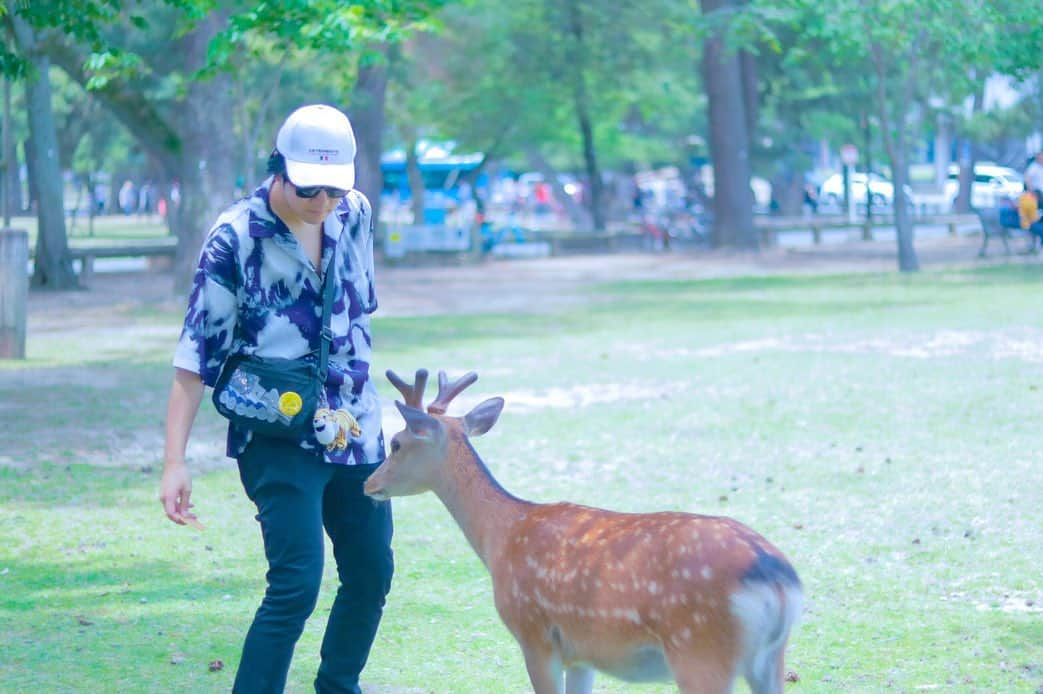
(831, 193)
(991, 185)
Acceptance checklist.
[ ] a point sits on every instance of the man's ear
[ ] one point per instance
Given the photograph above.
(419, 423)
(483, 416)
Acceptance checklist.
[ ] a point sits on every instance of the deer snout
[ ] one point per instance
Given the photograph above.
(374, 488)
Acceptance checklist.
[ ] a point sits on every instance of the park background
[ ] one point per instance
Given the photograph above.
(878, 426)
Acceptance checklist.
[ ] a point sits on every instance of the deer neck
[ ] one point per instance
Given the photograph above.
(483, 509)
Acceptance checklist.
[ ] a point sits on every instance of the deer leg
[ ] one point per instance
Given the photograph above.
(544, 669)
(579, 680)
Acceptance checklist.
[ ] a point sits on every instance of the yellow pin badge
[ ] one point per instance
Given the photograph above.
(290, 403)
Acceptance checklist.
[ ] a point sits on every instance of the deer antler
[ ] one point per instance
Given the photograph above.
(412, 394)
(447, 391)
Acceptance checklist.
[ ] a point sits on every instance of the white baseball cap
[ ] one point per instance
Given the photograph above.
(318, 145)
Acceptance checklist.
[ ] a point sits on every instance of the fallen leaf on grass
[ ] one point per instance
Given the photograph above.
(177, 659)
(84, 622)
(792, 676)
(216, 665)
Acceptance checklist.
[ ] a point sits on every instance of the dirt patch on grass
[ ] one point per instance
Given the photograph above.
(118, 313)
(504, 286)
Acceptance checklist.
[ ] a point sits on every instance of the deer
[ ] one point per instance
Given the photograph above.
(642, 597)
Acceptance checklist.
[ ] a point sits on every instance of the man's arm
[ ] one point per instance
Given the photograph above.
(175, 489)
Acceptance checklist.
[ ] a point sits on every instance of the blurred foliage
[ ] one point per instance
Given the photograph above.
(503, 78)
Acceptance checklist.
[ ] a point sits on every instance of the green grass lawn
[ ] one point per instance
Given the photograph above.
(881, 430)
(113, 227)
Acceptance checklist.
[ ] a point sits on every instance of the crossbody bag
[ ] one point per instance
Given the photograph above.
(277, 397)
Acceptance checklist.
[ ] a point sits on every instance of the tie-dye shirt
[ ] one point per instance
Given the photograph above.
(256, 292)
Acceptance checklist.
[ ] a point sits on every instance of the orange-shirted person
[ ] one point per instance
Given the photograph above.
(1028, 213)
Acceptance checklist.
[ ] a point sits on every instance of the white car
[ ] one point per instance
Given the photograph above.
(992, 184)
(831, 193)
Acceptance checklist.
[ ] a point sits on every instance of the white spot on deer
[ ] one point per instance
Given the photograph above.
(653, 587)
(686, 634)
(531, 563)
(685, 573)
(707, 572)
(629, 614)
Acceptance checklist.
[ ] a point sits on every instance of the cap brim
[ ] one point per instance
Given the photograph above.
(305, 175)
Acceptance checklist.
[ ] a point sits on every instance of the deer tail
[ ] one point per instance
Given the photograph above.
(767, 604)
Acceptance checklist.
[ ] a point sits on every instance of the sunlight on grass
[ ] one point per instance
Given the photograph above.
(881, 430)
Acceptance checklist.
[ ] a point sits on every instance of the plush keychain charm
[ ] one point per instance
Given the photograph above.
(333, 427)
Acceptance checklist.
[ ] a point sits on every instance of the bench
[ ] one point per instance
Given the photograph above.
(993, 227)
(563, 241)
(87, 253)
(771, 226)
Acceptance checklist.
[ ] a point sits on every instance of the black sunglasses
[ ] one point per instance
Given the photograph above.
(309, 192)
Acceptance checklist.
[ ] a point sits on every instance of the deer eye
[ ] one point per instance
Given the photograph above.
(395, 445)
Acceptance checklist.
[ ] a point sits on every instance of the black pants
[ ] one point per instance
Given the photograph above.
(297, 495)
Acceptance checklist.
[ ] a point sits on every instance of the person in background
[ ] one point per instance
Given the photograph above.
(1034, 175)
(1028, 214)
(127, 197)
(258, 290)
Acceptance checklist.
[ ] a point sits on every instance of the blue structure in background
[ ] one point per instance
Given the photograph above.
(441, 171)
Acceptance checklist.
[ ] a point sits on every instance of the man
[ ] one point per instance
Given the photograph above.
(1034, 175)
(258, 290)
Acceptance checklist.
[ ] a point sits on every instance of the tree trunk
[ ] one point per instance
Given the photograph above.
(581, 102)
(205, 170)
(415, 180)
(203, 159)
(750, 97)
(967, 156)
(193, 143)
(367, 118)
(52, 264)
(893, 132)
(12, 180)
(729, 142)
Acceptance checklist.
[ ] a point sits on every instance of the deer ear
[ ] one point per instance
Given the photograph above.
(419, 423)
(483, 416)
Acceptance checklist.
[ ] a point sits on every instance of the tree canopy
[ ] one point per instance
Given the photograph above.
(192, 90)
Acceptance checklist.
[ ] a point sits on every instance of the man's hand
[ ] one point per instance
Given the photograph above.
(175, 493)
(175, 490)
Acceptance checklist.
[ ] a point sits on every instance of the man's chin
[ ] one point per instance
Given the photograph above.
(313, 217)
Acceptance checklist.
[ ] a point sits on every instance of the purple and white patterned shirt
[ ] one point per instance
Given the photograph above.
(256, 292)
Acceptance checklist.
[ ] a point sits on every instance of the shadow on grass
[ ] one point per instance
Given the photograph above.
(87, 584)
